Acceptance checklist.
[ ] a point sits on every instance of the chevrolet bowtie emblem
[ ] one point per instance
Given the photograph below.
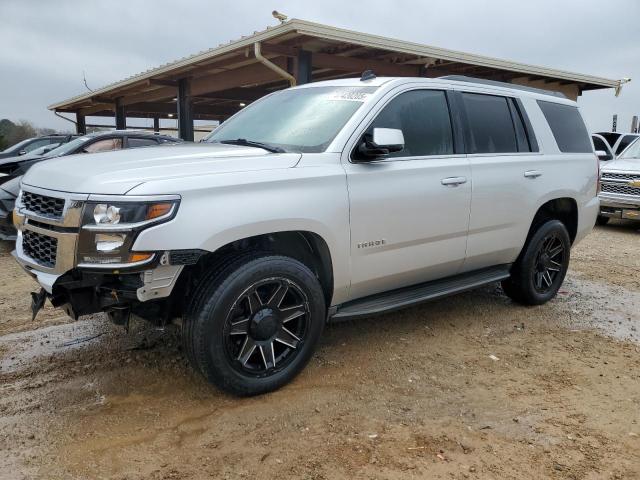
(635, 183)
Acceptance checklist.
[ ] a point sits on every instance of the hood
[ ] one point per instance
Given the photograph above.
(622, 164)
(119, 171)
(11, 164)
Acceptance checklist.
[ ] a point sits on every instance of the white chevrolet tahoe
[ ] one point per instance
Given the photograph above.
(332, 200)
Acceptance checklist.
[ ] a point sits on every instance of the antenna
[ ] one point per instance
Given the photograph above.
(84, 79)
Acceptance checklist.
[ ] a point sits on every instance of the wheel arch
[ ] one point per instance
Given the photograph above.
(564, 209)
(308, 247)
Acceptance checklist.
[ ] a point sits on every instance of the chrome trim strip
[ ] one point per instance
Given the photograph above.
(116, 266)
(132, 198)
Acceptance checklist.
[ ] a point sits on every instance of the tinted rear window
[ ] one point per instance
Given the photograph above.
(567, 127)
(491, 128)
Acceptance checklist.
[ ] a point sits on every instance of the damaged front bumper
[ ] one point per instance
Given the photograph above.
(46, 248)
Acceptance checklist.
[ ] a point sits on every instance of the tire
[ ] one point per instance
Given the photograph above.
(253, 324)
(540, 269)
(602, 220)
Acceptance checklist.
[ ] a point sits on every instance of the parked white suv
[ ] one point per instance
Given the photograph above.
(328, 201)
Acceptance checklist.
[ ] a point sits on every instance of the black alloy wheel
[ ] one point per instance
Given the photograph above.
(549, 263)
(253, 322)
(267, 326)
(539, 270)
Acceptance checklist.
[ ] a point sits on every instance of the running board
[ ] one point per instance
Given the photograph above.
(424, 292)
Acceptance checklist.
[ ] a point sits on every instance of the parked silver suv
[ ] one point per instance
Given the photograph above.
(332, 200)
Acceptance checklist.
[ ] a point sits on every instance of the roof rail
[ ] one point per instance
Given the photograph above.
(493, 83)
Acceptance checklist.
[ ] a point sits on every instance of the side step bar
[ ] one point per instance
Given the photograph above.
(423, 292)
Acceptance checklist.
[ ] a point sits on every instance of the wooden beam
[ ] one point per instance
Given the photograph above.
(150, 96)
(164, 83)
(81, 125)
(337, 62)
(254, 74)
(344, 63)
(166, 108)
(101, 107)
(235, 94)
(185, 110)
(121, 115)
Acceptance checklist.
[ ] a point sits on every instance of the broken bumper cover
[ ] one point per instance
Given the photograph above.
(80, 292)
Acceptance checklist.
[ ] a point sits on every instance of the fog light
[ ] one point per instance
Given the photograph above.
(109, 242)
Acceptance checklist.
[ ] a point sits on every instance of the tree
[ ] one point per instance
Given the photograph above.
(12, 133)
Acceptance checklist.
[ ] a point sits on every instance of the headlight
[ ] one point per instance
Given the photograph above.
(109, 229)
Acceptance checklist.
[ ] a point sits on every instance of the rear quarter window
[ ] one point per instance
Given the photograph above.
(567, 127)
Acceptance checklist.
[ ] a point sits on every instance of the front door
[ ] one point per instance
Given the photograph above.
(409, 211)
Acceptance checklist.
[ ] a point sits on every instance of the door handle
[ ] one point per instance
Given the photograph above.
(532, 173)
(453, 181)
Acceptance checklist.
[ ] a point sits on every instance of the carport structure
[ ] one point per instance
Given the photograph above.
(215, 84)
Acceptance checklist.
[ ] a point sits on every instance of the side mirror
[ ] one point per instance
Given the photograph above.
(22, 152)
(603, 155)
(383, 142)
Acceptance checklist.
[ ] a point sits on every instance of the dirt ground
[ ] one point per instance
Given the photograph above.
(472, 386)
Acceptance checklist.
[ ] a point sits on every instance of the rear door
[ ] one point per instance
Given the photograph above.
(504, 159)
(409, 212)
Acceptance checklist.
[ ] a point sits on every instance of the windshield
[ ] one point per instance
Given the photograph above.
(299, 120)
(68, 147)
(18, 146)
(633, 150)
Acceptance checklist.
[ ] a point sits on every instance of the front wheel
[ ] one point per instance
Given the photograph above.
(540, 270)
(254, 325)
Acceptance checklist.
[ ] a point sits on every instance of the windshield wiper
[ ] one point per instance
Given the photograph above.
(249, 143)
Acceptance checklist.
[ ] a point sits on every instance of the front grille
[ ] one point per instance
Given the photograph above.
(620, 176)
(49, 207)
(40, 248)
(620, 188)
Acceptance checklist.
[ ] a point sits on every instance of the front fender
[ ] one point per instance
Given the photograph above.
(310, 199)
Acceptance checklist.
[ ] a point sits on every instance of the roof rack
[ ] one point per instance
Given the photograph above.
(493, 83)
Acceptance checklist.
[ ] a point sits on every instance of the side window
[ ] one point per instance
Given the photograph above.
(491, 126)
(423, 117)
(141, 142)
(567, 127)
(105, 145)
(624, 143)
(36, 144)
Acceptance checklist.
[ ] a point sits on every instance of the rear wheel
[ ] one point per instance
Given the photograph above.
(539, 272)
(253, 326)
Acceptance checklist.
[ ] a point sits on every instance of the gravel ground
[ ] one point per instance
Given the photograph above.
(468, 387)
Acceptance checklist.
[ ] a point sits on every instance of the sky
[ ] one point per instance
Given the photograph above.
(47, 46)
